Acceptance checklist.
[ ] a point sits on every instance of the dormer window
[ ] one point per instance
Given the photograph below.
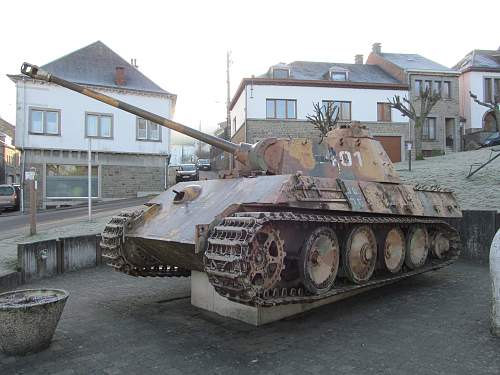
(281, 73)
(338, 76)
(338, 73)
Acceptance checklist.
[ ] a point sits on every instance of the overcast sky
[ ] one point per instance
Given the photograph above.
(181, 45)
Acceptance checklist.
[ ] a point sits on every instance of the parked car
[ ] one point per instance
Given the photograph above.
(203, 164)
(9, 197)
(492, 140)
(187, 172)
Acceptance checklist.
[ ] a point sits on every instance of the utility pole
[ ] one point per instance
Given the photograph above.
(228, 102)
(30, 176)
(89, 188)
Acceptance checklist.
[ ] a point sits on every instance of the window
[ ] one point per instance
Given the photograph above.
(44, 121)
(447, 89)
(487, 89)
(437, 87)
(429, 129)
(70, 181)
(418, 86)
(428, 86)
(338, 76)
(281, 73)
(147, 130)
(384, 112)
(281, 108)
(344, 109)
(98, 125)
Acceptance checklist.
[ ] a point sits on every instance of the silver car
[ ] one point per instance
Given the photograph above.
(9, 197)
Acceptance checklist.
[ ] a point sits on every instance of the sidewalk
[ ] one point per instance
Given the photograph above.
(62, 228)
(436, 323)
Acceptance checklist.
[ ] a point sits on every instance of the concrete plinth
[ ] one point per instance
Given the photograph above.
(495, 284)
(204, 296)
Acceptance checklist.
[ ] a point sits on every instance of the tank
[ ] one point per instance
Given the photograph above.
(293, 223)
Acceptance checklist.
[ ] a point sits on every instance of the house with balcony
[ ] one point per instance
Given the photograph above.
(479, 74)
(276, 103)
(56, 128)
(441, 130)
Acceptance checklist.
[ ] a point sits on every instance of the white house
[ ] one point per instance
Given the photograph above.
(276, 104)
(479, 74)
(55, 128)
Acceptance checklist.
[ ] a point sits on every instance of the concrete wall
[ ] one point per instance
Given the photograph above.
(48, 258)
(73, 107)
(477, 230)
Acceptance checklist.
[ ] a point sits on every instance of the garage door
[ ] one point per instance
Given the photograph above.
(392, 146)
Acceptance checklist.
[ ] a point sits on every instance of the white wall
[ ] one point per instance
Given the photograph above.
(73, 107)
(473, 112)
(238, 111)
(363, 101)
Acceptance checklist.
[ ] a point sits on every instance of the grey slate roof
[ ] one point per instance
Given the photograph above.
(413, 61)
(308, 70)
(479, 58)
(95, 64)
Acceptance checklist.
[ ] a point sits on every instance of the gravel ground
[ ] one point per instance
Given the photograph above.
(479, 192)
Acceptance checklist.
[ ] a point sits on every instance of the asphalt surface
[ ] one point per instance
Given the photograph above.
(11, 221)
(436, 323)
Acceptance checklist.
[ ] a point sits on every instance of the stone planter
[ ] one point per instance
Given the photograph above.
(28, 319)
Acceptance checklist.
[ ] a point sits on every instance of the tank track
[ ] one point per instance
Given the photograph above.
(112, 240)
(227, 261)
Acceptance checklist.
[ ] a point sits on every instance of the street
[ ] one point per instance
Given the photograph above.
(14, 221)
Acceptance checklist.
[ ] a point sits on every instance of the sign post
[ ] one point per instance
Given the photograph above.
(408, 146)
(30, 177)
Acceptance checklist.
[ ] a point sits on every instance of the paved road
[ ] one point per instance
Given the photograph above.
(115, 324)
(13, 221)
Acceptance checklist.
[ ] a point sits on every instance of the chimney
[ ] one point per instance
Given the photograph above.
(358, 59)
(120, 76)
(377, 48)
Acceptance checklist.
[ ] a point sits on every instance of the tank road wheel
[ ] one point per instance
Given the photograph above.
(266, 255)
(319, 260)
(394, 250)
(360, 254)
(417, 247)
(439, 245)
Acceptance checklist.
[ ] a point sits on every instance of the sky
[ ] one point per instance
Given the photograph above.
(182, 45)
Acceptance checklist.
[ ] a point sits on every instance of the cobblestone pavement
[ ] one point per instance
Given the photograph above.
(480, 192)
(436, 323)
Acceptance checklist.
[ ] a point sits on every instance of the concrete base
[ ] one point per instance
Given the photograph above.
(204, 296)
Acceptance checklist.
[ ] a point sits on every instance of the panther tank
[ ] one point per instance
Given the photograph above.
(291, 223)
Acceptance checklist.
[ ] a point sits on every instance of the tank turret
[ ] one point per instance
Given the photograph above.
(309, 224)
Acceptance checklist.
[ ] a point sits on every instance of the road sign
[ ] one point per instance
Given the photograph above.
(29, 175)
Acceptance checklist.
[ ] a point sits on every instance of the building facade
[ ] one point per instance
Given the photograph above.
(9, 156)
(56, 128)
(276, 104)
(479, 75)
(441, 131)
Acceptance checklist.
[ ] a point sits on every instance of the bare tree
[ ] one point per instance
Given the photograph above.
(427, 101)
(324, 118)
(493, 105)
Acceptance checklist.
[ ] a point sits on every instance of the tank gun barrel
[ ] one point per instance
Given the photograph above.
(36, 72)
